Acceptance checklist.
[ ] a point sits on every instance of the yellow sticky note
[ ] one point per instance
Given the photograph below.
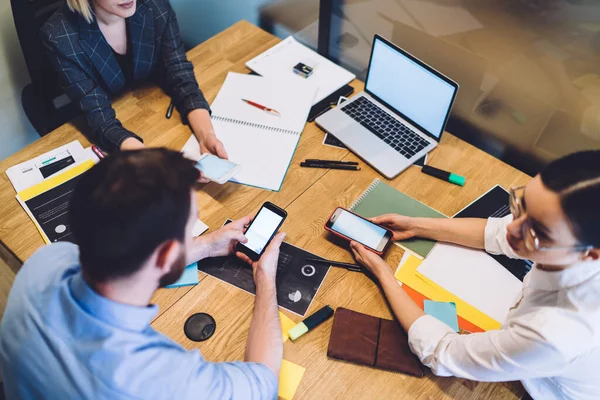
(408, 274)
(286, 325)
(289, 379)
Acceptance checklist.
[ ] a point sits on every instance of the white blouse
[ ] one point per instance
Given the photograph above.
(550, 339)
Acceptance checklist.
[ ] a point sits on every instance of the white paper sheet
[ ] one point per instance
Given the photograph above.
(27, 174)
(473, 276)
(199, 228)
(278, 62)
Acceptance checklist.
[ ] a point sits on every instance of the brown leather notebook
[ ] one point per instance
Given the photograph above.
(372, 341)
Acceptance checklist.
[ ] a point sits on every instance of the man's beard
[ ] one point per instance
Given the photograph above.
(175, 272)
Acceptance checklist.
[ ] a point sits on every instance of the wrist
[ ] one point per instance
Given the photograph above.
(131, 143)
(200, 250)
(386, 279)
(417, 226)
(263, 281)
(201, 124)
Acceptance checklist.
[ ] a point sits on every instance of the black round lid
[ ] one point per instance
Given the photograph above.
(199, 327)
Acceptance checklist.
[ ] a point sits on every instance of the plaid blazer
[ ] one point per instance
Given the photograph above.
(90, 73)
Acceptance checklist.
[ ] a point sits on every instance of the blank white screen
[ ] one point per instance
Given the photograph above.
(262, 228)
(409, 88)
(358, 229)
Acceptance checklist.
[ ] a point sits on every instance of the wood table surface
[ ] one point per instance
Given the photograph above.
(309, 196)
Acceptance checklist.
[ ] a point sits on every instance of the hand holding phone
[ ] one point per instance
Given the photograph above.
(263, 227)
(217, 169)
(350, 226)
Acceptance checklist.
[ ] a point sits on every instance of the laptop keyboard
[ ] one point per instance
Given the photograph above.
(397, 135)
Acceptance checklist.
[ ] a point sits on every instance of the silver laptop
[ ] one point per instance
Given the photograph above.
(401, 114)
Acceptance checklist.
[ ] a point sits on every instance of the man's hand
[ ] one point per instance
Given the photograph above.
(370, 260)
(219, 243)
(265, 269)
(400, 225)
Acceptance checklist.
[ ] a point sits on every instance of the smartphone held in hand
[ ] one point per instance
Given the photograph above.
(351, 226)
(217, 169)
(262, 229)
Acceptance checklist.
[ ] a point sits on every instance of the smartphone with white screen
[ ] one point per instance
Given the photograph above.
(261, 230)
(351, 226)
(216, 169)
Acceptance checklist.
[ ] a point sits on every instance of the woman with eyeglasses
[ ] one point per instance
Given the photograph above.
(551, 337)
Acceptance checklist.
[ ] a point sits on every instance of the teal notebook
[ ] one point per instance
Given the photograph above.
(380, 198)
(189, 277)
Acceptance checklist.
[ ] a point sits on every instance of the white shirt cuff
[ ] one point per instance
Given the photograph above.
(424, 337)
(495, 236)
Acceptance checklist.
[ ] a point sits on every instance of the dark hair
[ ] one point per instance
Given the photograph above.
(576, 179)
(126, 206)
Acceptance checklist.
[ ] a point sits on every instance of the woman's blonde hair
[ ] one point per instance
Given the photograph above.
(83, 7)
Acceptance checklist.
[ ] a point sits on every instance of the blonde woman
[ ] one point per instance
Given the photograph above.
(101, 47)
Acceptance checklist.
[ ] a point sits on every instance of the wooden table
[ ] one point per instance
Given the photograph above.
(308, 195)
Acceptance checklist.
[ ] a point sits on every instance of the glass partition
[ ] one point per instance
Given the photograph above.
(529, 70)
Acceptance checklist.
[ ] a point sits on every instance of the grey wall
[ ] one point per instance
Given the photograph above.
(201, 19)
(15, 129)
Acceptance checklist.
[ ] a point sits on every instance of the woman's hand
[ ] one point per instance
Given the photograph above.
(210, 144)
(401, 225)
(370, 260)
(203, 129)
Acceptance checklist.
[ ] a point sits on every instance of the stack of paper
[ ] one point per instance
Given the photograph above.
(469, 317)
(278, 63)
(473, 276)
(47, 203)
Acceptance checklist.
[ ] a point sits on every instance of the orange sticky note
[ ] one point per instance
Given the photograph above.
(289, 379)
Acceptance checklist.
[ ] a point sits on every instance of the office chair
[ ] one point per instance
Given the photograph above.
(43, 100)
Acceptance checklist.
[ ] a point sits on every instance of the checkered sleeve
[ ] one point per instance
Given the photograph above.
(104, 128)
(179, 77)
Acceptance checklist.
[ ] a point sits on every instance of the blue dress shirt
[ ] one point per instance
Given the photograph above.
(61, 340)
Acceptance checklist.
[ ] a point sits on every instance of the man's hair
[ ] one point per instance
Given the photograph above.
(126, 206)
(83, 8)
(576, 179)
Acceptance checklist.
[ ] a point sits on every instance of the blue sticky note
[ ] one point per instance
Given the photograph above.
(189, 277)
(444, 311)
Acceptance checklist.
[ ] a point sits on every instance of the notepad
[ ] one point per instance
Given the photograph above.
(380, 198)
(261, 142)
(289, 379)
(445, 311)
(278, 62)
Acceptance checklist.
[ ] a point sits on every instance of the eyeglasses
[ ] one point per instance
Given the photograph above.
(529, 236)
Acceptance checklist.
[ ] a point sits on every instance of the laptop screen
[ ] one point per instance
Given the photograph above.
(417, 93)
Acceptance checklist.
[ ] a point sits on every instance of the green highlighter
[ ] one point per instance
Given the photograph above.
(311, 322)
(444, 175)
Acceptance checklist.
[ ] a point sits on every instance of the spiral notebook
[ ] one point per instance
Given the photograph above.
(261, 142)
(380, 198)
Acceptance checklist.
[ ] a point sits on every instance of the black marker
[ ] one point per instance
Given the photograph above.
(444, 175)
